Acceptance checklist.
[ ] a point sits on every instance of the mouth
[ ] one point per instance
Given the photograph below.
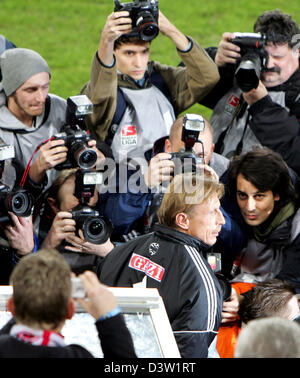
(139, 72)
(251, 217)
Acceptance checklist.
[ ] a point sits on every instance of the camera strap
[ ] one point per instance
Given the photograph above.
(219, 147)
(239, 147)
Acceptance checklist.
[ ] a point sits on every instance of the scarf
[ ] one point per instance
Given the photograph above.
(263, 231)
(37, 336)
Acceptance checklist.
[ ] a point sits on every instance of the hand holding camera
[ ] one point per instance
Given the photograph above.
(228, 52)
(20, 234)
(63, 225)
(160, 169)
(99, 299)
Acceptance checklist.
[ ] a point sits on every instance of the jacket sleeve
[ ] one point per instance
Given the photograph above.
(223, 85)
(291, 265)
(188, 84)
(115, 338)
(277, 129)
(102, 91)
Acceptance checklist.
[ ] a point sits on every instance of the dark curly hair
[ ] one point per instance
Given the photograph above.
(266, 170)
(278, 27)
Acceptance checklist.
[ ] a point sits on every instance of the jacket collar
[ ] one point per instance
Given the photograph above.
(180, 237)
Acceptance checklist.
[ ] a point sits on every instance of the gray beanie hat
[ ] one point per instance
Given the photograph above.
(18, 65)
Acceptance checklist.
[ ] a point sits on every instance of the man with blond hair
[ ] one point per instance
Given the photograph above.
(173, 260)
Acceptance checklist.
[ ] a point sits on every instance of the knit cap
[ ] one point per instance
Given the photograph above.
(18, 65)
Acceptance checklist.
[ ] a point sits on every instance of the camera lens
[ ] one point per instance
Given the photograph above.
(147, 26)
(86, 157)
(96, 230)
(20, 204)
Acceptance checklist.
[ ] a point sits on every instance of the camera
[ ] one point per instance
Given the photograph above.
(144, 16)
(78, 290)
(18, 200)
(186, 160)
(96, 228)
(253, 59)
(75, 136)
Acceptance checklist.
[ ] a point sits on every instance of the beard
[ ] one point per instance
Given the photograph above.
(29, 109)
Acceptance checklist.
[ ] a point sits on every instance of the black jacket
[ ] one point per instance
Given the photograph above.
(175, 264)
(116, 342)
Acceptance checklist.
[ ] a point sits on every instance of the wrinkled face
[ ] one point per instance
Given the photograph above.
(206, 220)
(255, 206)
(132, 59)
(283, 60)
(29, 99)
(66, 198)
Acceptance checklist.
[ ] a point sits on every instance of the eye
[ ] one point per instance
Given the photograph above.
(259, 196)
(242, 196)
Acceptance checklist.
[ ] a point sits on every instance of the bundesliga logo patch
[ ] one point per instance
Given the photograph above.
(231, 104)
(142, 264)
(128, 135)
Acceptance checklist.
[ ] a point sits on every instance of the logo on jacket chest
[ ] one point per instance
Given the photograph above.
(143, 264)
(153, 248)
(128, 135)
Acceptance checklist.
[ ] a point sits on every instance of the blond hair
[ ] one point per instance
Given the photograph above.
(185, 191)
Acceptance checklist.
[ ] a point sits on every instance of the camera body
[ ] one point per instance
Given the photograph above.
(75, 136)
(144, 16)
(253, 59)
(186, 160)
(18, 201)
(96, 228)
(78, 290)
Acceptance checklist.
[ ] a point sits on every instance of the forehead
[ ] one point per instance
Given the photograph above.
(244, 185)
(67, 188)
(134, 47)
(39, 79)
(274, 49)
(211, 203)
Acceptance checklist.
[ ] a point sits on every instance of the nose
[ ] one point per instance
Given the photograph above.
(270, 62)
(251, 205)
(220, 217)
(40, 95)
(138, 60)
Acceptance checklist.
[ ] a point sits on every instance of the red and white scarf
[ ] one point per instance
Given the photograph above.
(37, 337)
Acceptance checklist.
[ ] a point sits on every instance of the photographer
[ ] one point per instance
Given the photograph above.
(30, 116)
(268, 114)
(173, 260)
(57, 227)
(126, 88)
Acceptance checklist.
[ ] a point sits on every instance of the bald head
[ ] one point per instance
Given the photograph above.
(175, 144)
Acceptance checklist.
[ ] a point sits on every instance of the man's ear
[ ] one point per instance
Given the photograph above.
(71, 309)
(168, 145)
(10, 306)
(182, 221)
